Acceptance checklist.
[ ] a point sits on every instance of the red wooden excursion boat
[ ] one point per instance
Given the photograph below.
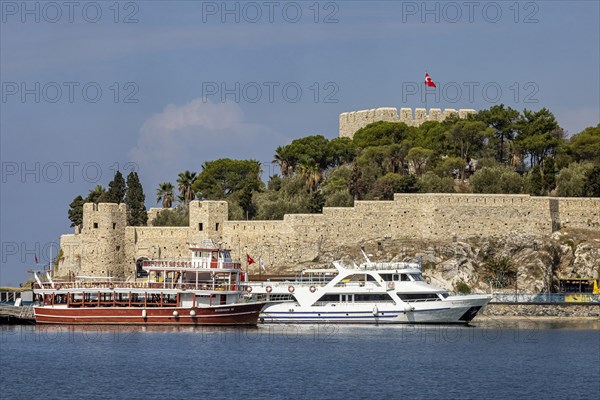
(208, 290)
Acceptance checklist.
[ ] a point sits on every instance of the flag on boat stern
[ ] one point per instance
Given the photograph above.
(250, 260)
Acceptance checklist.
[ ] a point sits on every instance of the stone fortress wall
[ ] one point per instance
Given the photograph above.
(350, 122)
(106, 246)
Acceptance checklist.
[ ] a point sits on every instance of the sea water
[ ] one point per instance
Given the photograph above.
(495, 359)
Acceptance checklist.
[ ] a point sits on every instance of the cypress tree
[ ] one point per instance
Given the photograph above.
(76, 211)
(116, 189)
(134, 199)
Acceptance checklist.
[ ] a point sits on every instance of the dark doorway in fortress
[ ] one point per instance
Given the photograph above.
(139, 271)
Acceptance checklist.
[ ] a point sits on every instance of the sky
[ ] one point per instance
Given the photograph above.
(159, 87)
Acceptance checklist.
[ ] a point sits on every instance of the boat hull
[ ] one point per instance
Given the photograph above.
(233, 314)
(452, 311)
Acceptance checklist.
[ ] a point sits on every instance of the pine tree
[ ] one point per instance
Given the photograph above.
(134, 199)
(76, 211)
(116, 190)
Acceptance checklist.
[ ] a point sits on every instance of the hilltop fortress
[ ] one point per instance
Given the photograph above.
(350, 122)
(106, 246)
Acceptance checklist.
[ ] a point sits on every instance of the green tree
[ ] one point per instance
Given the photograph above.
(164, 193)
(585, 146)
(283, 159)
(245, 202)
(571, 181)
(418, 158)
(548, 174)
(539, 135)
(431, 183)
(504, 122)
(134, 199)
(185, 180)
(501, 180)
(592, 183)
(395, 155)
(451, 167)
(335, 187)
(291, 198)
(382, 134)
(76, 211)
(312, 174)
(468, 138)
(341, 150)
(178, 216)
(221, 178)
(116, 190)
(316, 202)
(309, 150)
(536, 182)
(385, 187)
(95, 194)
(356, 185)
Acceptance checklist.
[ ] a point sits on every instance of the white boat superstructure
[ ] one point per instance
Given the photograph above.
(371, 293)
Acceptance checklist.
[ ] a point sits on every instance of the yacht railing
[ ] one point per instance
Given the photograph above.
(389, 265)
(199, 264)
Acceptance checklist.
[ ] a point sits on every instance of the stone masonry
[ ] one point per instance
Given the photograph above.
(105, 246)
(350, 122)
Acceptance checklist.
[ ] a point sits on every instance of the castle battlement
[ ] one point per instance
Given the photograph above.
(352, 121)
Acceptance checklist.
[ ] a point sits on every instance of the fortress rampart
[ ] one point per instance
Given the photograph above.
(105, 246)
(350, 122)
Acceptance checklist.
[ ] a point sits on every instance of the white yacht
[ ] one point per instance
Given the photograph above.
(369, 293)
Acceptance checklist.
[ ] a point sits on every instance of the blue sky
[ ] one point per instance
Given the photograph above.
(161, 87)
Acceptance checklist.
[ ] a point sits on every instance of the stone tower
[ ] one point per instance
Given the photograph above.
(102, 239)
(207, 218)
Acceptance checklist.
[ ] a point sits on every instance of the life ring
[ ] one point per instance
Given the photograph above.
(291, 289)
(313, 289)
(390, 285)
(269, 289)
(249, 289)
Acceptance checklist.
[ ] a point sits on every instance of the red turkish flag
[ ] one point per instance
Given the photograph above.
(250, 260)
(428, 80)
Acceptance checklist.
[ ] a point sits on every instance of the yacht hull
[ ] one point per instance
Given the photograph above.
(450, 311)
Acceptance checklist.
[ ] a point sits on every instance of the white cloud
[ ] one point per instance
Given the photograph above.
(183, 137)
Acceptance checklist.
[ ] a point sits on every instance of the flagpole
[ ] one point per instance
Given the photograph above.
(425, 85)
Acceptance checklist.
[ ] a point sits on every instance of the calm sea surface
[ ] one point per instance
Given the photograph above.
(489, 360)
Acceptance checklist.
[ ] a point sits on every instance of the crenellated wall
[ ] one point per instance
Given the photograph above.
(110, 248)
(352, 121)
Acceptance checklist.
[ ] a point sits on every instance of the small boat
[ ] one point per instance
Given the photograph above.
(369, 293)
(208, 290)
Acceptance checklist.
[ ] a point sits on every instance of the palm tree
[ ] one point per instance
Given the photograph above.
(95, 194)
(283, 161)
(165, 193)
(312, 174)
(184, 185)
